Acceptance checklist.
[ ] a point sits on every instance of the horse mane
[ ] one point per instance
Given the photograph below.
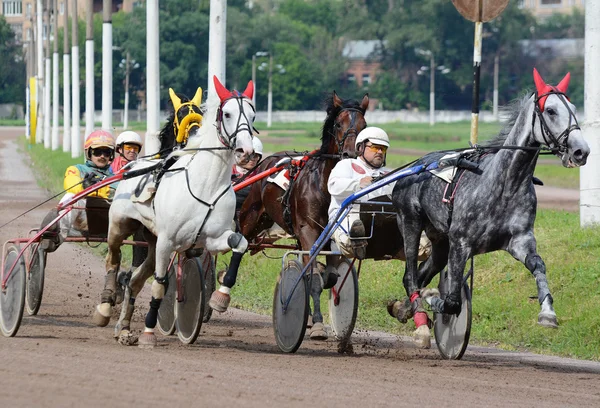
(166, 134)
(512, 111)
(332, 112)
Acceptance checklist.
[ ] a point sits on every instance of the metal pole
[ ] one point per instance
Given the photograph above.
(496, 68)
(589, 185)
(270, 94)
(48, 78)
(107, 71)
(476, 74)
(432, 90)
(55, 85)
(254, 80)
(89, 68)
(152, 144)
(217, 43)
(40, 72)
(76, 143)
(126, 109)
(66, 82)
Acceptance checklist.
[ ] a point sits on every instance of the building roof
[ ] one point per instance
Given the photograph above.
(361, 50)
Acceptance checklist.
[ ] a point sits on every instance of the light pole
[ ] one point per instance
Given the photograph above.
(257, 54)
(128, 64)
(431, 69)
(280, 70)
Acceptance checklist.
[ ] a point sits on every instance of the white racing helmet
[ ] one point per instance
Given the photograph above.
(374, 134)
(258, 146)
(129, 137)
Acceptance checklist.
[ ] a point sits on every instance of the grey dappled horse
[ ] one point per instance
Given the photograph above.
(493, 209)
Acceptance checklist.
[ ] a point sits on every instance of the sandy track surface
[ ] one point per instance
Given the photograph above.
(59, 359)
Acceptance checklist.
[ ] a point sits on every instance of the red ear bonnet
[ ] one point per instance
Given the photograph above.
(249, 91)
(221, 90)
(543, 88)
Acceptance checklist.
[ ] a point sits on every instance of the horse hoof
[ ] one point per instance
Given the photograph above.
(422, 337)
(548, 320)
(318, 332)
(147, 340)
(400, 309)
(428, 293)
(102, 314)
(126, 338)
(219, 301)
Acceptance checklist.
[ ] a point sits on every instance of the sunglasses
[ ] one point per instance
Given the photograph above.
(375, 148)
(131, 148)
(102, 152)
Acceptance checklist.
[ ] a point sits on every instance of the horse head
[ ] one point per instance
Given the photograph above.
(558, 128)
(187, 117)
(345, 120)
(235, 117)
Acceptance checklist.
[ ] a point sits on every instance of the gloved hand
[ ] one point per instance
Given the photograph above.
(91, 179)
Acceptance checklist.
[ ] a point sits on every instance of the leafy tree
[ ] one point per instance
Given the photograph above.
(12, 66)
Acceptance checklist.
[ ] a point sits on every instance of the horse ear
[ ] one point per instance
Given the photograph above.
(541, 88)
(249, 91)
(175, 99)
(197, 99)
(364, 105)
(221, 90)
(563, 85)
(337, 102)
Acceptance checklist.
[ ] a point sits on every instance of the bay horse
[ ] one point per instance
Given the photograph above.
(493, 209)
(193, 207)
(302, 212)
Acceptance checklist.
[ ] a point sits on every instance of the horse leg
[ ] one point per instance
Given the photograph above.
(523, 248)
(133, 288)
(163, 256)
(221, 298)
(117, 232)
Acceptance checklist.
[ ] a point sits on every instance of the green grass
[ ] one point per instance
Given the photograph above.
(505, 306)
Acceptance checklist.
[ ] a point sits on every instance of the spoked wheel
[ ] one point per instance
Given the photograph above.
(452, 332)
(166, 311)
(190, 311)
(35, 280)
(343, 301)
(210, 281)
(12, 297)
(289, 318)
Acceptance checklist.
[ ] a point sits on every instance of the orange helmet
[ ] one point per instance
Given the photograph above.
(99, 138)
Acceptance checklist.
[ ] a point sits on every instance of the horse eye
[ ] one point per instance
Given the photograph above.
(337, 125)
(550, 111)
(228, 115)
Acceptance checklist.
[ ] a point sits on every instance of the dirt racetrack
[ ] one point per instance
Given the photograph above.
(59, 359)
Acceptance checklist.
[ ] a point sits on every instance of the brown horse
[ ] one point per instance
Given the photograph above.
(302, 210)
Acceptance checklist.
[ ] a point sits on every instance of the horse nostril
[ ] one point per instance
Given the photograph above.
(578, 155)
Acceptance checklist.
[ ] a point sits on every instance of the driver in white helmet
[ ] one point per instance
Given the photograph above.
(128, 147)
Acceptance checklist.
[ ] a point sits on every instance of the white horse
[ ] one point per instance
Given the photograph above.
(193, 206)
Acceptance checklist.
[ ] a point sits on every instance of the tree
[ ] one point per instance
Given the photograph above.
(12, 66)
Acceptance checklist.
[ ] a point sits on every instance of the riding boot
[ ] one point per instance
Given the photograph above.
(359, 246)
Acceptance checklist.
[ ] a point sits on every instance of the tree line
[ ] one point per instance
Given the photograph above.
(307, 37)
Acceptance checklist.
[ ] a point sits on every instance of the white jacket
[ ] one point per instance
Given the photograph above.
(344, 181)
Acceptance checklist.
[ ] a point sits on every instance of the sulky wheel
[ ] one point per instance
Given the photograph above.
(189, 313)
(12, 296)
(35, 279)
(166, 311)
(452, 332)
(343, 301)
(210, 280)
(290, 308)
